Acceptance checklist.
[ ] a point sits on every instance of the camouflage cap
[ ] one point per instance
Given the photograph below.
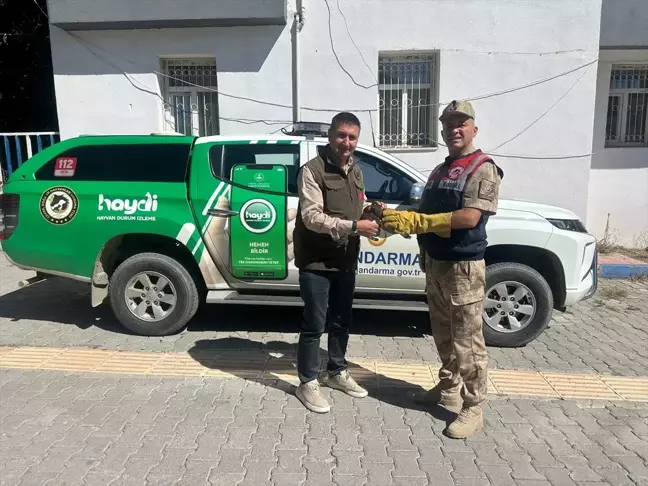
(457, 107)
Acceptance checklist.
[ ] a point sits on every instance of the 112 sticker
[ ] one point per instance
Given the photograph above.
(65, 166)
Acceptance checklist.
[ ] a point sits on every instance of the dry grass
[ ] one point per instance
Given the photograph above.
(639, 279)
(613, 293)
(605, 247)
(638, 253)
(609, 243)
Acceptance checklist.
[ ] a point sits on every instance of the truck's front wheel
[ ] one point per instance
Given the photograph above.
(153, 295)
(518, 305)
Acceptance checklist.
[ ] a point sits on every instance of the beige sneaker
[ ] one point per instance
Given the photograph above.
(438, 396)
(344, 382)
(469, 420)
(311, 396)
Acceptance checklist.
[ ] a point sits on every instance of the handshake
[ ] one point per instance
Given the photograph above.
(405, 223)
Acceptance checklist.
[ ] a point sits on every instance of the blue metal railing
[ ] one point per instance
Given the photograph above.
(18, 147)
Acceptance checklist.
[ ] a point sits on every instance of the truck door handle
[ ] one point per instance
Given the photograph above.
(223, 213)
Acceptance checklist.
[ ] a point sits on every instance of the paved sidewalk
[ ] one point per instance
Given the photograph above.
(264, 366)
(84, 403)
(607, 334)
(75, 429)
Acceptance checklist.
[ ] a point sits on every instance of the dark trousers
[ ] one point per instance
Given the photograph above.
(328, 301)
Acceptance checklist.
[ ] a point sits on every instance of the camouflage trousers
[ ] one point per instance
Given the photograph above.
(455, 292)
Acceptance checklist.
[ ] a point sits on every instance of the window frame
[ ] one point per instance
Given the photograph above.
(411, 56)
(194, 92)
(623, 95)
(359, 154)
(106, 172)
(217, 166)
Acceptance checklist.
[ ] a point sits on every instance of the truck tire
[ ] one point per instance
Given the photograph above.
(153, 295)
(520, 316)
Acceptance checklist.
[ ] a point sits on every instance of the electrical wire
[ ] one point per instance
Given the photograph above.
(498, 93)
(373, 132)
(435, 141)
(459, 50)
(328, 8)
(535, 83)
(493, 153)
(545, 113)
(188, 83)
(42, 11)
(337, 110)
(475, 98)
(346, 25)
(245, 121)
(523, 53)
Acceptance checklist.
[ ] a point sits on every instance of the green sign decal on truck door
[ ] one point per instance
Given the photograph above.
(258, 233)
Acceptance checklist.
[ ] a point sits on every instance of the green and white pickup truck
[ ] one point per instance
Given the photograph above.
(156, 224)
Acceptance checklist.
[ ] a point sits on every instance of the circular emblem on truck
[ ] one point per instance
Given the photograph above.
(59, 205)
(258, 216)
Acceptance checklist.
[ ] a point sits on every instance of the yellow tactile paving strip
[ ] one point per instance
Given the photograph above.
(253, 365)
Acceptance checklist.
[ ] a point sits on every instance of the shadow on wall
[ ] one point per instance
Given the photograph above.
(236, 49)
(620, 158)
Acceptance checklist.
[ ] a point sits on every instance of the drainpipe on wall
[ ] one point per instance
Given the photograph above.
(298, 24)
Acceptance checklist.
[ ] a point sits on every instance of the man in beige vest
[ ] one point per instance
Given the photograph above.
(327, 243)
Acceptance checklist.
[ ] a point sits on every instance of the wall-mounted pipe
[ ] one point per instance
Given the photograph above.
(298, 24)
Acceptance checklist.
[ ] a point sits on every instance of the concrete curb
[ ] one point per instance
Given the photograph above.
(620, 266)
(623, 271)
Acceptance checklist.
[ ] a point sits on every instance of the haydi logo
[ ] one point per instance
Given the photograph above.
(258, 216)
(129, 206)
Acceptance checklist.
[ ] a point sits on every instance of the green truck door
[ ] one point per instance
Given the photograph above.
(210, 193)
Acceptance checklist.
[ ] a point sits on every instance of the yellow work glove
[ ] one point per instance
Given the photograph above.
(413, 223)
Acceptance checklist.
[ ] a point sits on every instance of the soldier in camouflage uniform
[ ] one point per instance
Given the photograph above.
(459, 197)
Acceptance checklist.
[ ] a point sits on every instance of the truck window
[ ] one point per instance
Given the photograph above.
(383, 182)
(128, 163)
(224, 157)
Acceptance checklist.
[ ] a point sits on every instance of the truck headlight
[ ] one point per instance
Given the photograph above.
(568, 225)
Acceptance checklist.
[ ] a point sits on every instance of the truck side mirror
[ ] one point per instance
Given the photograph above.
(416, 192)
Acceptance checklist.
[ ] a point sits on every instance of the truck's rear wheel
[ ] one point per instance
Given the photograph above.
(518, 305)
(153, 295)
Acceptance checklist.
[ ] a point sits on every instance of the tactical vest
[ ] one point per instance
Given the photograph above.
(342, 199)
(444, 193)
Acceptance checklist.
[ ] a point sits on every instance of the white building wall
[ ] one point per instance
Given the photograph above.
(486, 46)
(115, 90)
(619, 177)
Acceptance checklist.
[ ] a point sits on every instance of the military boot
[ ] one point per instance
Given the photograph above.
(469, 420)
(438, 396)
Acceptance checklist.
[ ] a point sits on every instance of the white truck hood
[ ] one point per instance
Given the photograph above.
(544, 210)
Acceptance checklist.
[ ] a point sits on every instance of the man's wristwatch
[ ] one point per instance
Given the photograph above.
(354, 227)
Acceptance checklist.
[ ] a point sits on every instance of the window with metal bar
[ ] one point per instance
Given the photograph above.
(191, 102)
(408, 104)
(627, 121)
